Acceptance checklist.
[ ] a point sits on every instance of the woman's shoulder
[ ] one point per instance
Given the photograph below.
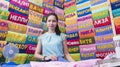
(42, 35)
(63, 35)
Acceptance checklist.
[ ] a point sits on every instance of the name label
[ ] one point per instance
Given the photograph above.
(17, 27)
(34, 31)
(36, 8)
(87, 33)
(87, 48)
(3, 25)
(18, 18)
(84, 41)
(102, 55)
(73, 49)
(85, 56)
(102, 22)
(73, 42)
(104, 38)
(22, 3)
(16, 37)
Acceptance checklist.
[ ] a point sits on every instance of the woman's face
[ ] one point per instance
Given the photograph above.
(51, 22)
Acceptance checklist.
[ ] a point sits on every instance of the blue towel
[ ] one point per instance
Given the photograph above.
(9, 64)
(61, 59)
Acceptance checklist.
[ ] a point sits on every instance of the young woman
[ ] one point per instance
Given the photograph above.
(52, 44)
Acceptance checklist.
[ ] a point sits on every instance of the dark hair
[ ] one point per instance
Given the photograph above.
(57, 30)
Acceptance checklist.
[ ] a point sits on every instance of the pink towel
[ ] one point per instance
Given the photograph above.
(85, 63)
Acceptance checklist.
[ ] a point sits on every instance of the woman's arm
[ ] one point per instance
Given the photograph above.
(66, 53)
(39, 56)
(38, 51)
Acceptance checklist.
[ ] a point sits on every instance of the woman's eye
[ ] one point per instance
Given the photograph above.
(48, 20)
(54, 20)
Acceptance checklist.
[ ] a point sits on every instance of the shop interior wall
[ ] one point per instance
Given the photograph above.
(89, 25)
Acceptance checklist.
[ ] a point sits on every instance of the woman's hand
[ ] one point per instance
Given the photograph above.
(52, 57)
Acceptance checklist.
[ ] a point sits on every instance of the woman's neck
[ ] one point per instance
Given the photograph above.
(51, 31)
